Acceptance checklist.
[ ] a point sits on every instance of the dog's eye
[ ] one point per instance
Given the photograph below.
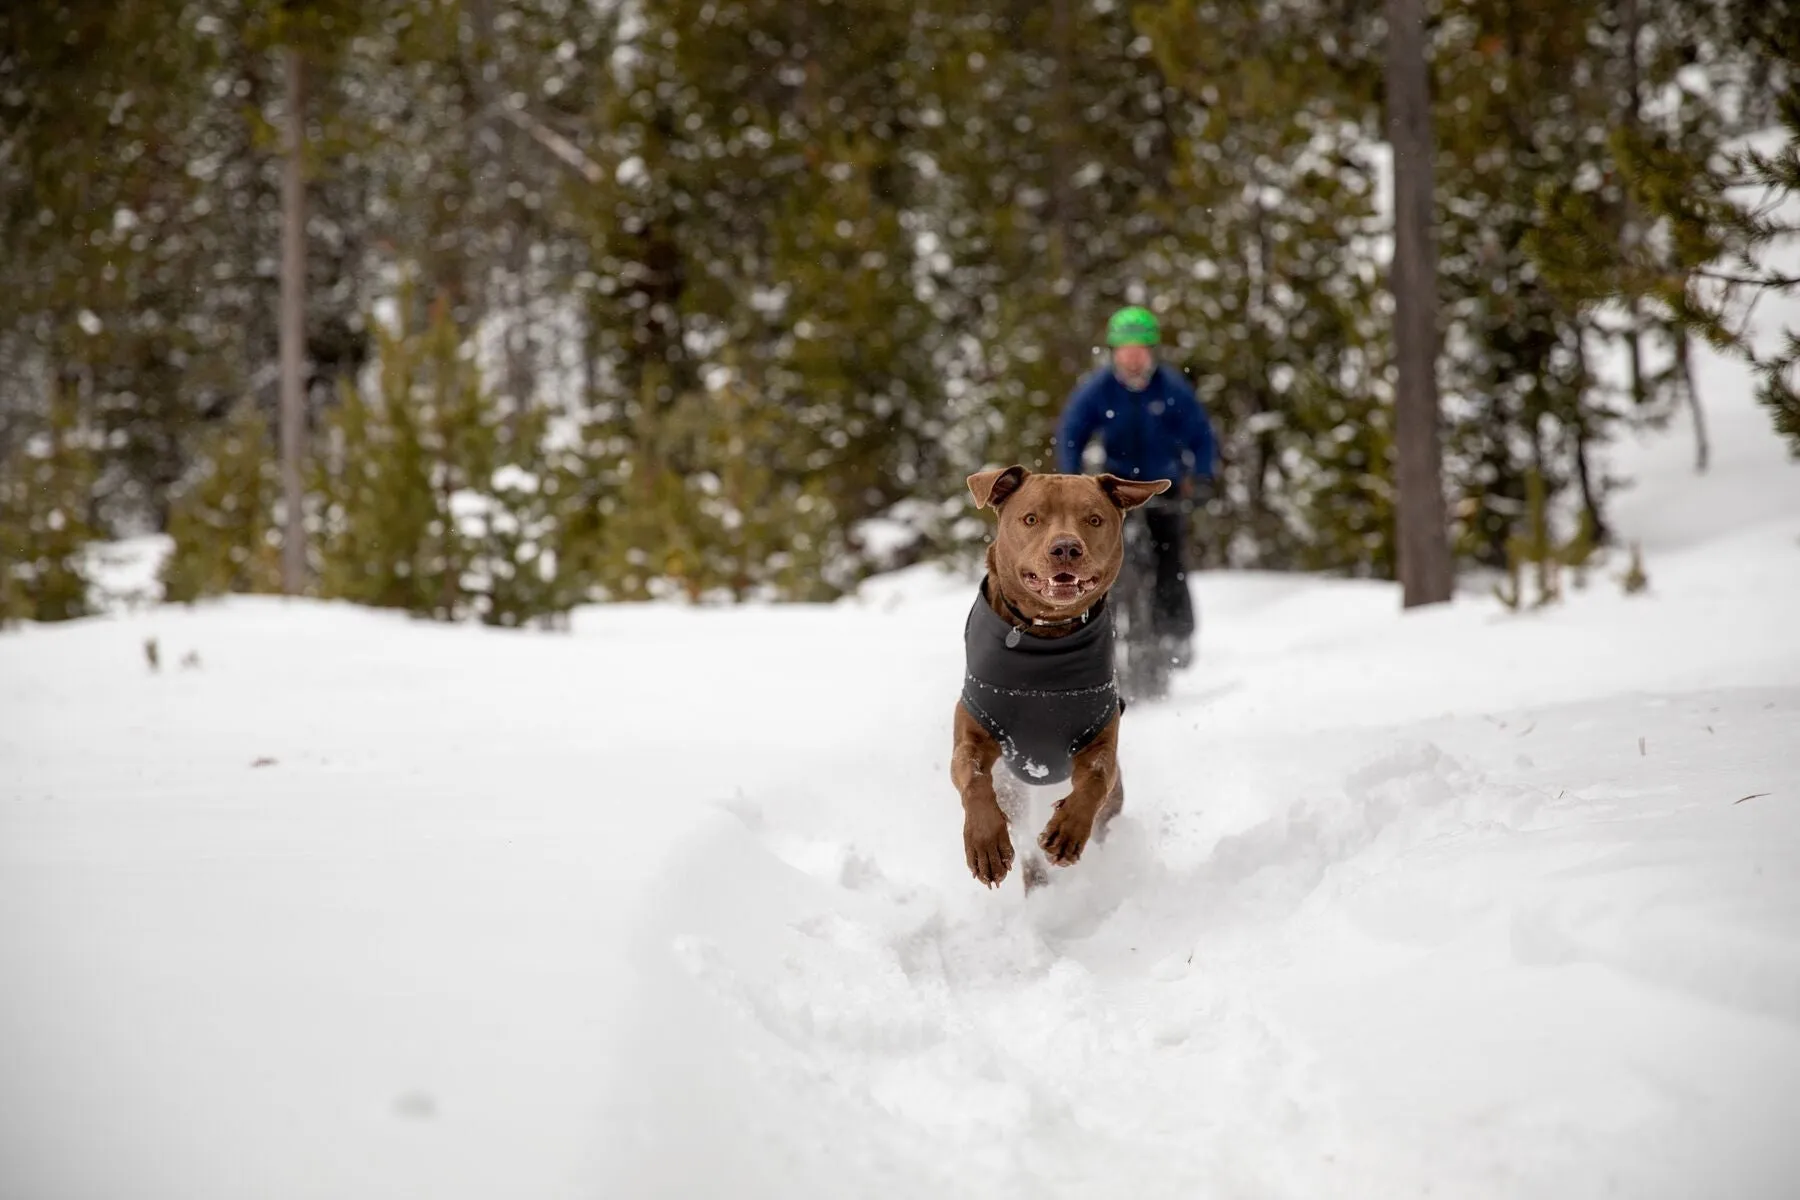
(1031, 518)
(1094, 520)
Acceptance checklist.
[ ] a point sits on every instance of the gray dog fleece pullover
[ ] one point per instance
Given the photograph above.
(1042, 698)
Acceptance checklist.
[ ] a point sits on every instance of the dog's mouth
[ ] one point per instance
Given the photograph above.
(1061, 587)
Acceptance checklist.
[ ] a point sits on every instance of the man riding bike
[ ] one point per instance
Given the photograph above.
(1151, 426)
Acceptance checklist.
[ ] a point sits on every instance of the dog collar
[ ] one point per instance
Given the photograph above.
(1018, 631)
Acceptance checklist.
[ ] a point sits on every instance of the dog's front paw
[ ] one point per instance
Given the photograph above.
(988, 847)
(1066, 836)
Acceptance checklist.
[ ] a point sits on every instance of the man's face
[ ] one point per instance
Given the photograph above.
(1133, 365)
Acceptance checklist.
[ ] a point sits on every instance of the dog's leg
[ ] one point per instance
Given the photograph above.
(1115, 800)
(986, 844)
(1095, 783)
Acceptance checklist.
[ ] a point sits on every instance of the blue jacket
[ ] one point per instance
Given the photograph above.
(1161, 432)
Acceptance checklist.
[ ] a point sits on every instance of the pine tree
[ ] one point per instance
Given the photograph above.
(721, 282)
(135, 199)
(1050, 130)
(1739, 204)
(46, 490)
(222, 520)
(1540, 549)
(1601, 234)
(95, 199)
(386, 527)
(433, 497)
(1519, 394)
(752, 205)
(1270, 265)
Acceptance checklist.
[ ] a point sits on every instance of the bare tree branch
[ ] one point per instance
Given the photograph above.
(566, 152)
(1764, 281)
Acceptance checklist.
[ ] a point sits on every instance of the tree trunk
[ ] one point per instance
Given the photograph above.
(1065, 269)
(1685, 364)
(494, 166)
(1423, 544)
(293, 329)
(1630, 231)
(1271, 546)
(1598, 529)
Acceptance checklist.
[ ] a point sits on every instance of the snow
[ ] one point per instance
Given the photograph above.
(125, 575)
(1458, 902)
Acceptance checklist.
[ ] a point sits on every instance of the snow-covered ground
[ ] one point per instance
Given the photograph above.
(1459, 903)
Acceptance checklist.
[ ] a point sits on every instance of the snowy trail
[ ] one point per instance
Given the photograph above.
(1457, 903)
(1419, 975)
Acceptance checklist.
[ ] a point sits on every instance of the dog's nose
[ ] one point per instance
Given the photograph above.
(1067, 550)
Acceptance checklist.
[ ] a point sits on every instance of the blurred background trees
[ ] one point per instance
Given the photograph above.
(723, 298)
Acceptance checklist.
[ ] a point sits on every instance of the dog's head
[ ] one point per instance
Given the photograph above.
(1061, 538)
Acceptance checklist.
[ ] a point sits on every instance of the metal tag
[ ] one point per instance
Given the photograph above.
(1012, 637)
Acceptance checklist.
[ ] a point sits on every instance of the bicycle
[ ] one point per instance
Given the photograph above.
(1142, 659)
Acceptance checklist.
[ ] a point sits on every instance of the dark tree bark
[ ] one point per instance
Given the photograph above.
(1631, 231)
(293, 328)
(1426, 574)
(1685, 364)
(1598, 529)
(1066, 266)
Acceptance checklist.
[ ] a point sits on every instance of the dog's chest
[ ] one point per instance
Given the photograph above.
(1043, 699)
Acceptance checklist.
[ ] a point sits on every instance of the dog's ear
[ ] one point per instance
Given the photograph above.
(991, 488)
(1129, 493)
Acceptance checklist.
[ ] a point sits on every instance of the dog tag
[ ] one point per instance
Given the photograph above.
(1012, 638)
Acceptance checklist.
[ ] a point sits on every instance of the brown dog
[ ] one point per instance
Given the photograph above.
(1039, 690)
